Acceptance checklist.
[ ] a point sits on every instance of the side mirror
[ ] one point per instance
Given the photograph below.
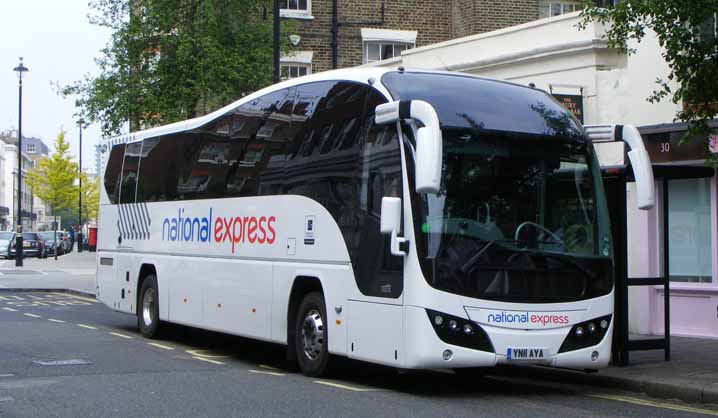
(391, 224)
(428, 142)
(390, 215)
(640, 161)
(642, 170)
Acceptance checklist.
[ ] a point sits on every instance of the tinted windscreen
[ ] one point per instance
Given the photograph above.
(475, 104)
(516, 219)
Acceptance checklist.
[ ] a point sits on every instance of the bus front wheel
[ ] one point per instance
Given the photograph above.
(148, 311)
(311, 336)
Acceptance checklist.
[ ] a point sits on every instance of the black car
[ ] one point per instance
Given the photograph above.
(51, 242)
(32, 246)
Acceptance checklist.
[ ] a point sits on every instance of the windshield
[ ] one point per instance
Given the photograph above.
(521, 214)
(6, 236)
(47, 235)
(517, 220)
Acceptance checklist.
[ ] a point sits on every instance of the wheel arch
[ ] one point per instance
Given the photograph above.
(301, 286)
(146, 269)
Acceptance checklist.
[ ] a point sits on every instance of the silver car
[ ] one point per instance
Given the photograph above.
(5, 239)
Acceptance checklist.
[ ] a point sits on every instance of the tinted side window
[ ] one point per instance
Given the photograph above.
(191, 180)
(263, 127)
(277, 145)
(130, 170)
(113, 172)
(153, 166)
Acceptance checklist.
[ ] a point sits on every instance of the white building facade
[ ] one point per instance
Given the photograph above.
(603, 86)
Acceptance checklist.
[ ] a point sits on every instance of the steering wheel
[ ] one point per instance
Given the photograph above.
(542, 228)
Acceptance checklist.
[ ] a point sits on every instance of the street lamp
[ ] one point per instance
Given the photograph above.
(275, 14)
(81, 124)
(20, 69)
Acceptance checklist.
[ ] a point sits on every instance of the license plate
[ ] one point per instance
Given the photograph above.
(525, 353)
(25, 244)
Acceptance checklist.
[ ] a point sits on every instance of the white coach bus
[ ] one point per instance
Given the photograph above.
(408, 218)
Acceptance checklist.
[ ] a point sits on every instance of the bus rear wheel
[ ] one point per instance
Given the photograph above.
(311, 337)
(148, 311)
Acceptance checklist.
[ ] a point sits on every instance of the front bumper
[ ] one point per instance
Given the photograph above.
(426, 350)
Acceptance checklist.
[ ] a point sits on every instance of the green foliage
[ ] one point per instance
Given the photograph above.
(170, 60)
(53, 178)
(692, 56)
(90, 197)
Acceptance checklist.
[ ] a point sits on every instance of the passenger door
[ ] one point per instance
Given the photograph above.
(378, 274)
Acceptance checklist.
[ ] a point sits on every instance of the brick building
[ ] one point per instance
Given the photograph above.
(346, 33)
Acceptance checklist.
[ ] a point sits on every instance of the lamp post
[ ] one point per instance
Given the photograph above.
(20, 69)
(81, 124)
(275, 61)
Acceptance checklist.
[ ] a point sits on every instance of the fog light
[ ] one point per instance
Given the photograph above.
(604, 324)
(438, 320)
(594, 356)
(591, 328)
(453, 325)
(447, 355)
(579, 331)
(468, 329)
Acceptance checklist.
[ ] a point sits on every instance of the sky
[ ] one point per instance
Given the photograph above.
(58, 45)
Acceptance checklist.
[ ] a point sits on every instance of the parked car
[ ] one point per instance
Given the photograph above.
(32, 246)
(51, 243)
(5, 239)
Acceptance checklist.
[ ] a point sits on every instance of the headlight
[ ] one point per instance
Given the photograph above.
(586, 334)
(459, 331)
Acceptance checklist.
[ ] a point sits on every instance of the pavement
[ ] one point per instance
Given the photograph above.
(690, 376)
(69, 356)
(73, 271)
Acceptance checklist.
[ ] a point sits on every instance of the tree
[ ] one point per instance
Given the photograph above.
(687, 33)
(53, 178)
(170, 60)
(90, 197)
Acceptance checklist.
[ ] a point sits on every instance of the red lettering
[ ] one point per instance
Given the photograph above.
(218, 230)
(237, 235)
(252, 230)
(270, 229)
(227, 229)
(262, 233)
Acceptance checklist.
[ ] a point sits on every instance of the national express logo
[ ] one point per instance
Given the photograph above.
(527, 318)
(234, 230)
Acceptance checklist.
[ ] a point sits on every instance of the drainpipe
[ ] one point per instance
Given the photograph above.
(335, 35)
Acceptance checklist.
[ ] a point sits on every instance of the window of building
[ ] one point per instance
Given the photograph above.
(377, 51)
(30, 147)
(689, 232)
(294, 70)
(381, 44)
(549, 8)
(296, 8)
